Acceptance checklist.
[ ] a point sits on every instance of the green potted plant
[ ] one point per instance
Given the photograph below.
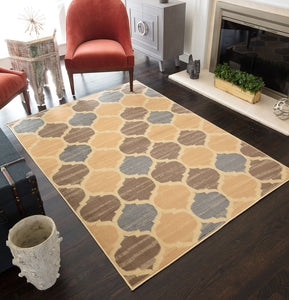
(238, 83)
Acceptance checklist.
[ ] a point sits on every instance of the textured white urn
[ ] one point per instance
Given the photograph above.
(35, 245)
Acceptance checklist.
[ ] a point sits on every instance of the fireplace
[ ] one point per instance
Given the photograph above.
(247, 24)
(253, 41)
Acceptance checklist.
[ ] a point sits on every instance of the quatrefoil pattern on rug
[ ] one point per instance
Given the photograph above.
(148, 178)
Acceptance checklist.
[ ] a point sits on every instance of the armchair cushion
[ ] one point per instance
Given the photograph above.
(103, 52)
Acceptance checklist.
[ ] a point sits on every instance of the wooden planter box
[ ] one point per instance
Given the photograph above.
(236, 91)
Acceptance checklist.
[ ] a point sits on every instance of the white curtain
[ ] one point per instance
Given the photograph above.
(11, 26)
(202, 11)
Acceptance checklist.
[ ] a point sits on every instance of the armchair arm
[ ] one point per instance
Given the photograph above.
(71, 44)
(4, 70)
(73, 30)
(13, 72)
(123, 34)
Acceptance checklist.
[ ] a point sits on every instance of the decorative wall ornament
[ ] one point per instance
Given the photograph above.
(33, 20)
(35, 245)
(193, 68)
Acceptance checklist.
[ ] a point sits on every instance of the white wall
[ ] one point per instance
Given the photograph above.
(199, 23)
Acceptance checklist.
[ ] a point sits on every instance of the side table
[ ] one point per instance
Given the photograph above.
(35, 57)
(157, 29)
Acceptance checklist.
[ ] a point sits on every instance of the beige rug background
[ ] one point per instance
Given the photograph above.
(148, 178)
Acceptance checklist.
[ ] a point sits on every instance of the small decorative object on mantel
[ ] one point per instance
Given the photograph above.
(35, 245)
(193, 67)
(238, 83)
(34, 21)
(281, 109)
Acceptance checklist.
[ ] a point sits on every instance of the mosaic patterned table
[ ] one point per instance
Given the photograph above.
(35, 57)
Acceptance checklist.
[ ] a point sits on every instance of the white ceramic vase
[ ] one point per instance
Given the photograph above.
(35, 245)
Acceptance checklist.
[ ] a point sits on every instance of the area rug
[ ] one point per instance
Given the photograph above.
(149, 179)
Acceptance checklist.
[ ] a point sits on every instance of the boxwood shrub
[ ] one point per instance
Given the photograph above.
(244, 80)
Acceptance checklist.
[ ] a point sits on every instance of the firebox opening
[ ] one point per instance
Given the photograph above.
(256, 51)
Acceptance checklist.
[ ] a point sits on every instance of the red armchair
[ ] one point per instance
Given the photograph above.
(13, 83)
(98, 38)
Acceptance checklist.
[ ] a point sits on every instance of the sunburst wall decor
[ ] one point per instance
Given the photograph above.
(34, 21)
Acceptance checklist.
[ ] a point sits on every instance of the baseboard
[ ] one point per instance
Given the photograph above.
(5, 62)
(62, 49)
(184, 58)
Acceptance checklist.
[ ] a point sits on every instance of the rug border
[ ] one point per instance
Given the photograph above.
(188, 250)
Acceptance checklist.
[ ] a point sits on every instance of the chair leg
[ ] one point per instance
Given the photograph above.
(26, 98)
(70, 76)
(131, 79)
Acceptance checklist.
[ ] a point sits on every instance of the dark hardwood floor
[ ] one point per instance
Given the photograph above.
(247, 259)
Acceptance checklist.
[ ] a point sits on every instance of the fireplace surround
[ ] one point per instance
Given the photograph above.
(254, 41)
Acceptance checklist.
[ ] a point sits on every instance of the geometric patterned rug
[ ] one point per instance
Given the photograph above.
(148, 178)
